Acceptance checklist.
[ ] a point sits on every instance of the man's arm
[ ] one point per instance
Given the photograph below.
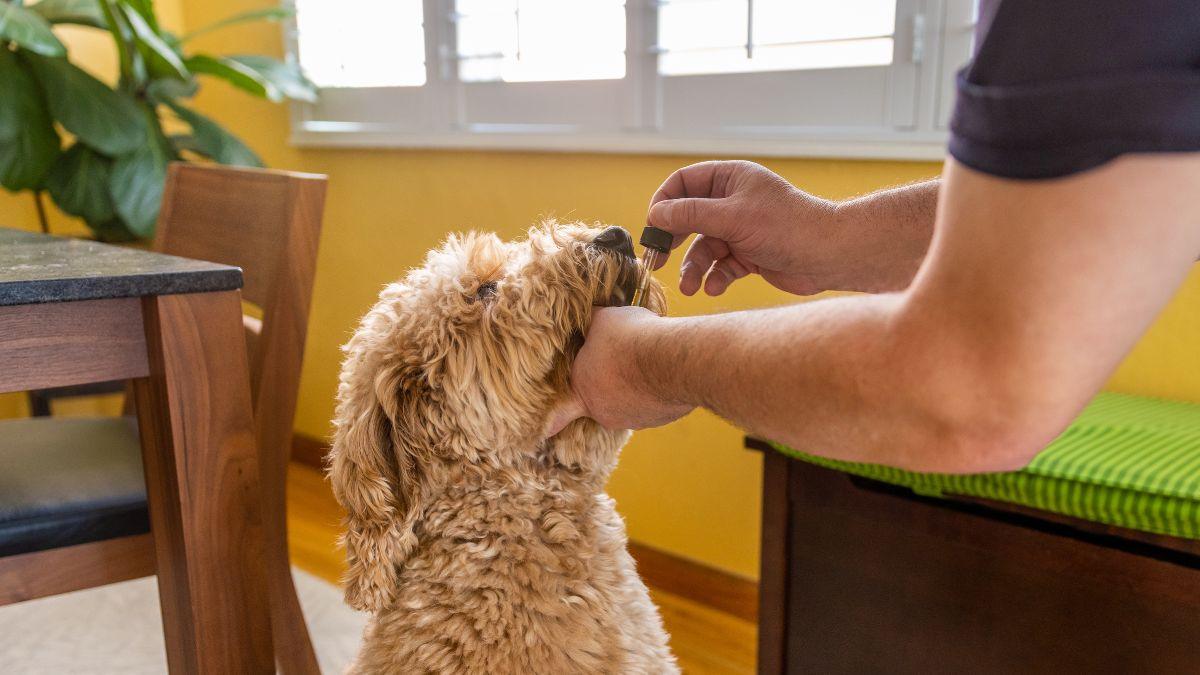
(892, 230)
(1031, 294)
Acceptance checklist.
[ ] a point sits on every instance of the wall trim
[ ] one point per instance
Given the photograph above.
(309, 450)
(674, 574)
(696, 581)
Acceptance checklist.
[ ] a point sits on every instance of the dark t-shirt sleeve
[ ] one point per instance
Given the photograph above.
(1061, 86)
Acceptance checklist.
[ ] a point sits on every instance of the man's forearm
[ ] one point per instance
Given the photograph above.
(886, 235)
(831, 377)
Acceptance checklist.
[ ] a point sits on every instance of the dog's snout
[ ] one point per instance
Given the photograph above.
(616, 239)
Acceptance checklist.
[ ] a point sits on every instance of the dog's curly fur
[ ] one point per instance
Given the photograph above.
(478, 546)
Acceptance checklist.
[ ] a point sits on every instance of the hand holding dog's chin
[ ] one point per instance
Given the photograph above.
(608, 381)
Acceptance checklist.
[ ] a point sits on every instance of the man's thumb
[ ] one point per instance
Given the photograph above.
(688, 215)
(567, 410)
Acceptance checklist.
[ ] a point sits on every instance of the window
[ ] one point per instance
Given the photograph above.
(867, 78)
(387, 51)
(698, 37)
(539, 40)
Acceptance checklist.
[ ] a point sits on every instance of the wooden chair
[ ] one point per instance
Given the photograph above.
(92, 527)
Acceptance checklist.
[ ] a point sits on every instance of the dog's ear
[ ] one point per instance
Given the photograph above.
(373, 476)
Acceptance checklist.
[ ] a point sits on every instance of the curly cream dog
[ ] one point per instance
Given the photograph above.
(478, 546)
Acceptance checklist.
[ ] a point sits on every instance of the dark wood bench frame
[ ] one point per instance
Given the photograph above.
(862, 576)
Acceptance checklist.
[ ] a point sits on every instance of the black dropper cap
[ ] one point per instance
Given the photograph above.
(659, 240)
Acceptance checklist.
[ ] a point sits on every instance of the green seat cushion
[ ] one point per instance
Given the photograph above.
(1128, 461)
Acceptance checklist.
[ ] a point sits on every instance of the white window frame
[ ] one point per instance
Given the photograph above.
(932, 39)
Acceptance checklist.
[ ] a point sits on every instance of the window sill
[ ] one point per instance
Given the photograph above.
(834, 144)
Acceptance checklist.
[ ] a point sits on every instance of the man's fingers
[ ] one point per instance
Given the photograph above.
(700, 256)
(566, 411)
(724, 272)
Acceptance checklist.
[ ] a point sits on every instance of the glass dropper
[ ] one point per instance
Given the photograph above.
(657, 244)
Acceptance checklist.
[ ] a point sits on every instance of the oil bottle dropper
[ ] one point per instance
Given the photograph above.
(657, 244)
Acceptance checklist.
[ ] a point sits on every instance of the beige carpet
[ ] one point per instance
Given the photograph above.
(118, 629)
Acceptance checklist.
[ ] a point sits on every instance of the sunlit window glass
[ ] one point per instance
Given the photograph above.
(540, 40)
(741, 36)
(361, 43)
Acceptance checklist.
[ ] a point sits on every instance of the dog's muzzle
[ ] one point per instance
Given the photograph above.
(618, 242)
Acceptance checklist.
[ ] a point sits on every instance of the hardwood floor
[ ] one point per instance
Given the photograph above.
(706, 641)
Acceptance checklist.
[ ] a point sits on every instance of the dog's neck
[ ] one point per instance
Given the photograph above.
(560, 481)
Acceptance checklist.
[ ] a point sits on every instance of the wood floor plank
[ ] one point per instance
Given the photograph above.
(707, 641)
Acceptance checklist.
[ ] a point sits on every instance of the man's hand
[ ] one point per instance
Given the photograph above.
(607, 383)
(752, 221)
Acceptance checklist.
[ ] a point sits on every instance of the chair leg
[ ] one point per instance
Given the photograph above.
(39, 405)
(294, 653)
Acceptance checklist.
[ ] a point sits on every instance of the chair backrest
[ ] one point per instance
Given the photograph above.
(268, 223)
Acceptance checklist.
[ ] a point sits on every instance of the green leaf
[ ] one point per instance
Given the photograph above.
(136, 185)
(165, 90)
(268, 14)
(240, 76)
(82, 12)
(30, 31)
(78, 182)
(145, 9)
(112, 231)
(285, 77)
(172, 40)
(161, 60)
(185, 142)
(29, 143)
(133, 66)
(109, 121)
(212, 140)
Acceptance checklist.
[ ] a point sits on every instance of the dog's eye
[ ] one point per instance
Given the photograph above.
(486, 291)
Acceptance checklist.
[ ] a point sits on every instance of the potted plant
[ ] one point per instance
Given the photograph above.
(112, 172)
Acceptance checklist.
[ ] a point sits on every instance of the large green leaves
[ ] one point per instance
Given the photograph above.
(161, 60)
(82, 12)
(286, 78)
(268, 14)
(28, 142)
(260, 75)
(110, 121)
(133, 66)
(240, 76)
(78, 182)
(212, 140)
(136, 183)
(29, 30)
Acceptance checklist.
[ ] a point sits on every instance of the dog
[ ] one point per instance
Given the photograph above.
(478, 545)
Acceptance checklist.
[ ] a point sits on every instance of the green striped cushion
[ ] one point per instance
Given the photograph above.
(1128, 461)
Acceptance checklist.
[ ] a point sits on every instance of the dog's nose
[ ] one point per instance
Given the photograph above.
(615, 239)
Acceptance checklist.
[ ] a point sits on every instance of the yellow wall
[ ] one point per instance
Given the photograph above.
(688, 488)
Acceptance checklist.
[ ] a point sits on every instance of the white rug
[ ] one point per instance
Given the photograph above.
(118, 629)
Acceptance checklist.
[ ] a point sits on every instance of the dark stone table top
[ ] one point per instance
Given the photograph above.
(38, 268)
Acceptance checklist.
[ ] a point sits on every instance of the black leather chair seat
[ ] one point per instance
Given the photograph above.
(66, 481)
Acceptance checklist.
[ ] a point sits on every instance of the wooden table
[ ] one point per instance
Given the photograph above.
(73, 312)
